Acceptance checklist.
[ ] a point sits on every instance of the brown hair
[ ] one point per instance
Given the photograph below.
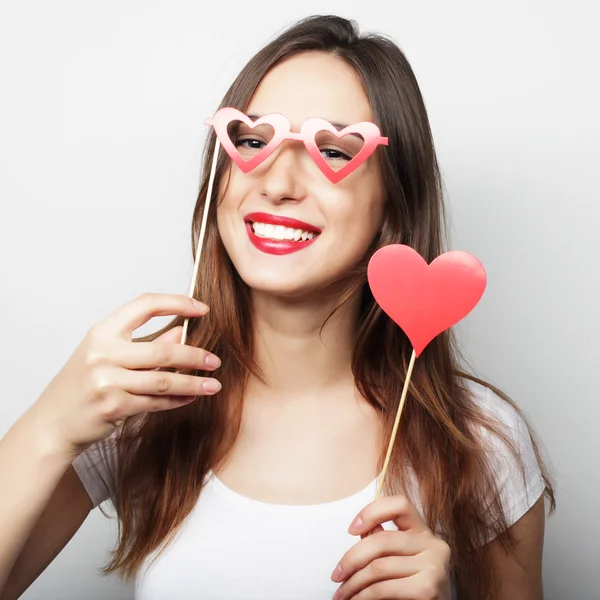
(164, 457)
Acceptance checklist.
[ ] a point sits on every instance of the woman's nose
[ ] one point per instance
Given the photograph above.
(282, 175)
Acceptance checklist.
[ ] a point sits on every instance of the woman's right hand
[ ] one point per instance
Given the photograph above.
(109, 378)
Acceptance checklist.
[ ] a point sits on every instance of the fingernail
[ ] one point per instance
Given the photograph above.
(356, 525)
(200, 305)
(337, 574)
(212, 361)
(338, 594)
(212, 386)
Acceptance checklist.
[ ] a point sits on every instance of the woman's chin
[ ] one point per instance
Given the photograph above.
(287, 292)
(281, 287)
(296, 291)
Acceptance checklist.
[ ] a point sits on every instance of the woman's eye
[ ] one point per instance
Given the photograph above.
(250, 144)
(332, 154)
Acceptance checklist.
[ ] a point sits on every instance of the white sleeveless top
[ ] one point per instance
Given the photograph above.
(231, 547)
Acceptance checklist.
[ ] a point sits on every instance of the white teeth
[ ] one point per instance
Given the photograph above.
(279, 232)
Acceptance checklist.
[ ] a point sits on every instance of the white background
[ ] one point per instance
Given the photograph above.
(101, 132)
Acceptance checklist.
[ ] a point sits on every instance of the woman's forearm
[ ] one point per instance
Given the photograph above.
(31, 465)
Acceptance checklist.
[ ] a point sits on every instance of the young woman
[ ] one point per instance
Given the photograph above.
(261, 485)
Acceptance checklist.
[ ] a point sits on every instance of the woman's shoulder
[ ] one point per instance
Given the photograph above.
(510, 451)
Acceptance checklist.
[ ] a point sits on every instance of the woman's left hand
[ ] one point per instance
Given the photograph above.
(408, 564)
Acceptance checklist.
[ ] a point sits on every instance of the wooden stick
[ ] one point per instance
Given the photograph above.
(202, 234)
(396, 424)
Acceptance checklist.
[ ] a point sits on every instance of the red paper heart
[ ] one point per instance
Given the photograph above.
(424, 300)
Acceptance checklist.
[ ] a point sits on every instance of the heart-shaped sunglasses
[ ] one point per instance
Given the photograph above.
(354, 143)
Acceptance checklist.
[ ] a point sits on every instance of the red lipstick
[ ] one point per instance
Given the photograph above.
(278, 247)
(262, 217)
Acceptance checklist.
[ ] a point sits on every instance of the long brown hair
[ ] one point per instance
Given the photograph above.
(164, 457)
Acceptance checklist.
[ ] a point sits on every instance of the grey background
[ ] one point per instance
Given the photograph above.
(102, 131)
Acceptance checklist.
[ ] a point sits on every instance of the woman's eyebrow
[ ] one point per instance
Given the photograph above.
(339, 126)
(253, 117)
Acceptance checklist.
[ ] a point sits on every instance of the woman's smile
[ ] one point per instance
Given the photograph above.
(277, 234)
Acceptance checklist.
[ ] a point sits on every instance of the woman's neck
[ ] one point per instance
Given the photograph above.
(295, 355)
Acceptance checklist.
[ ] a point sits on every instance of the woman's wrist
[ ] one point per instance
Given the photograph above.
(44, 441)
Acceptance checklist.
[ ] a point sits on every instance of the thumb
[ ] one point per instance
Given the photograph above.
(375, 529)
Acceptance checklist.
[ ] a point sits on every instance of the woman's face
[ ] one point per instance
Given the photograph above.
(343, 217)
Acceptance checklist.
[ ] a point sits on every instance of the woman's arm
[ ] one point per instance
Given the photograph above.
(108, 379)
(520, 576)
(42, 504)
(63, 516)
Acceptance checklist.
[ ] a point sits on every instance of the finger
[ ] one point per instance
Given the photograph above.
(171, 336)
(155, 383)
(380, 569)
(135, 404)
(407, 588)
(389, 508)
(374, 530)
(384, 543)
(148, 355)
(135, 313)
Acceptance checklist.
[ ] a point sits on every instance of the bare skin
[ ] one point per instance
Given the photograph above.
(310, 413)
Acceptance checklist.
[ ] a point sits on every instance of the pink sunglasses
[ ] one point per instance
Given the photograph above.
(369, 132)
